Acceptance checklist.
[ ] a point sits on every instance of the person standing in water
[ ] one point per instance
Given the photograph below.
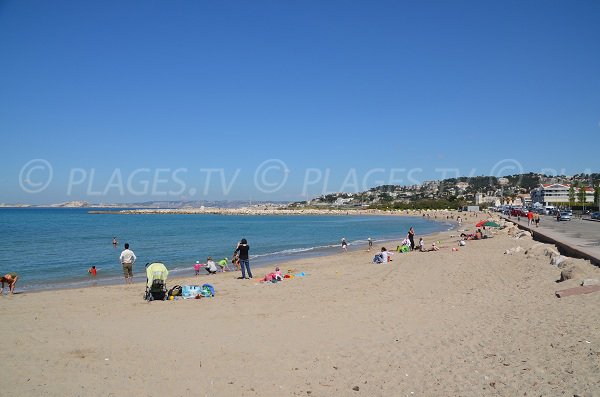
(344, 245)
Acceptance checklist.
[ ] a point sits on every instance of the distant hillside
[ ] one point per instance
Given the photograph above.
(447, 193)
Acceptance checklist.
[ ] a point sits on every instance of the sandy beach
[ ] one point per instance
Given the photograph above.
(473, 322)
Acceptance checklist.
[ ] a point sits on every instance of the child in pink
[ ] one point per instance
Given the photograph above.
(197, 267)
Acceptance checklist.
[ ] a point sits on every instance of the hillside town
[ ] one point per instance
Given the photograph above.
(484, 191)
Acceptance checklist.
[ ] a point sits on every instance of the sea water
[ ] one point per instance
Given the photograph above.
(55, 247)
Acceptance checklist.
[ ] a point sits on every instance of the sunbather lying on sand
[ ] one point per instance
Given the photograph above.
(276, 275)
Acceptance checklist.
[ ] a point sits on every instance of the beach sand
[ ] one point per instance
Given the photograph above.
(473, 322)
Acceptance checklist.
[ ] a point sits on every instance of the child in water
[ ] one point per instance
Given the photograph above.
(92, 271)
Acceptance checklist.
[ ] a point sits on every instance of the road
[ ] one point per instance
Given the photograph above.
(578, 235)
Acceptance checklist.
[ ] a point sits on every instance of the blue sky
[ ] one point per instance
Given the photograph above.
(132, 101)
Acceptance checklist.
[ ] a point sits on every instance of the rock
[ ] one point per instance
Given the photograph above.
(541, 249)
(513, 250)
(568, 274)
(356, 388)
(575, 268)
(523, 234)
(512, 231)
(590, 281)
(557, 260)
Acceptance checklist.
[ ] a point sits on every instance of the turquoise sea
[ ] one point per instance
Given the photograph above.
(54, 247)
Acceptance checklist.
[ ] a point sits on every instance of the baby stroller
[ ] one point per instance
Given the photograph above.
(156, 281)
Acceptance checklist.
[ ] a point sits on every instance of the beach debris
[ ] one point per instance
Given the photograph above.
(590, 281)
(577, 291)
(356, 388)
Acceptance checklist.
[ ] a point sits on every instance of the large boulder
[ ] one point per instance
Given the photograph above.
(523, 234)
(571, 272)
(557, 260)
(512, 231)
(590, 281)
(541, 250)
(573, 268)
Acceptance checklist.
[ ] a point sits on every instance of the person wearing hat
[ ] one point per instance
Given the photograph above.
(197, 267)
(370, 244)
(223, 265)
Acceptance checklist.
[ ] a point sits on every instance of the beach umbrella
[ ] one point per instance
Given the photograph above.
(487, 223)
(491, 224)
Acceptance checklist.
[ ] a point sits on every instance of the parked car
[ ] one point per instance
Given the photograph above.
(564, 216)
(518, 212)
(595, 215)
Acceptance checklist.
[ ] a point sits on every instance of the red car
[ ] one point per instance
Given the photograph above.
(518, 212)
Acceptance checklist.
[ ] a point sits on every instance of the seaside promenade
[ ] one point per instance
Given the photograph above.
(577, 237)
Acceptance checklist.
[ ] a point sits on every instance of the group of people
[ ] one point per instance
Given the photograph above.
(408, 244)
(533, 218)
(211, 266)
(241, 261)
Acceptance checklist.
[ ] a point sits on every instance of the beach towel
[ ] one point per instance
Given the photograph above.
(190, 291)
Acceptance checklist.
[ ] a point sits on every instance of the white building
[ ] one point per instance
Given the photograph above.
(481, 198)
(462, 185)
(558, 193)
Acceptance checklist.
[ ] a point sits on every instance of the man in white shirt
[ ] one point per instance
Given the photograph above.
(127, 259)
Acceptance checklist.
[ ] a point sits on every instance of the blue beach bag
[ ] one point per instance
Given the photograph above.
(208, 291)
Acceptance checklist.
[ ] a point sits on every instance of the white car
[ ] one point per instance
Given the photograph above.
(564, 216)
